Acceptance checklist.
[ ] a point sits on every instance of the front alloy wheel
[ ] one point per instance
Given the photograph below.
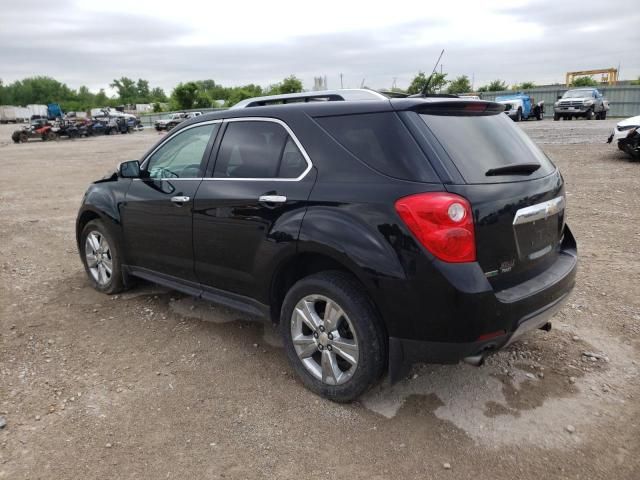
(324, 339)
(98, 255)
(101, 257)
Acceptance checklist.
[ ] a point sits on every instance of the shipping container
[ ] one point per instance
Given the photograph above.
(143, 108)
(7, 113)
(22, 114)
(38, 110)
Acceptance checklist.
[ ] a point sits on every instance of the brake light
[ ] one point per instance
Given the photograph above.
(442, 223)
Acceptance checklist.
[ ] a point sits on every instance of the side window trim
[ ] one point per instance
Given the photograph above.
(293, 136)
(205, 156)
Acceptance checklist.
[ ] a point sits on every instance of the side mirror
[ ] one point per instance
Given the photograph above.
(559, 97)
(129, 169)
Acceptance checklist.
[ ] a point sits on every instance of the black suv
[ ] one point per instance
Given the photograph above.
(376, 233)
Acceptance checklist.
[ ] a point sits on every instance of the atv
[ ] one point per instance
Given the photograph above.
(39, 128)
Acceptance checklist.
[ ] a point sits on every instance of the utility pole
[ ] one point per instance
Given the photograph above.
(393, 87)
(341, 84)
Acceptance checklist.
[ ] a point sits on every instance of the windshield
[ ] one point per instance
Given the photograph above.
(578, 94)
(478, 144)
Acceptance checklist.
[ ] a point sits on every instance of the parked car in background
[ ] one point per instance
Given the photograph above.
(587, 103)
(626, 135)
(521, 106)
(174, 119)
(330, 219)
(622, 128)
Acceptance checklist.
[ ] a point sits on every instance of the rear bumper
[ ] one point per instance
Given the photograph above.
(516, 311)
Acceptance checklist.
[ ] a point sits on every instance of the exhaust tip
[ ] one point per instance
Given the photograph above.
(475, 360)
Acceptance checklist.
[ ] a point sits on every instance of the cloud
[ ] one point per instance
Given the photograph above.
(537, 41)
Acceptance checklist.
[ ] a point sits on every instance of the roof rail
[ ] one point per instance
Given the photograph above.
(345, 95)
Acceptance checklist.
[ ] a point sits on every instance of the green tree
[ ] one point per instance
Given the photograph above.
(633, 82)
(4, 94)
(214, 90)
(584, 82)
(101, 99)
(438, 81)
(157, 108)
(291, 84)
(202, 100)
(126, 88)
(525, 86)
(85, 98)
(38, 90)
(237, 94)
(184, 95)
(495, 86)
(143, 91)
(460, 85)
(157, 95)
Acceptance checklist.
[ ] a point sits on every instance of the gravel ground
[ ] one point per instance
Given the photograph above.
(153, 384)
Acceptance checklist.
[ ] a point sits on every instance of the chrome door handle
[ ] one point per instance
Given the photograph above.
(180, 199)
(272, 199)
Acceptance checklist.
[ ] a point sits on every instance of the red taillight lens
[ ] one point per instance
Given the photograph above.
(443, 224)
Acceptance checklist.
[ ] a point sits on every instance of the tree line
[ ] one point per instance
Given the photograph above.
(208, 93)
(195, 94)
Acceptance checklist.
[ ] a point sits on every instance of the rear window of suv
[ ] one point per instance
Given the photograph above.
(477, 144)
(381, 141)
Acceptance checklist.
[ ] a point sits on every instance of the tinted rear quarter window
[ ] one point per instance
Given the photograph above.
(382, 142)
(477, 144)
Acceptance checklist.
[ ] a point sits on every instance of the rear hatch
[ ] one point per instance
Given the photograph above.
(515, 191)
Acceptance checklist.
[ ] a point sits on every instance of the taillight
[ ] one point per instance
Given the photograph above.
(443, 224)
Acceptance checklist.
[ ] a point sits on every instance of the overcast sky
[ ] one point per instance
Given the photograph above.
(233, 42)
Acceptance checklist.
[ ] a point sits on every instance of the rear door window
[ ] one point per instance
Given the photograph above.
(381, 141)
(477, 144)
(258, 149)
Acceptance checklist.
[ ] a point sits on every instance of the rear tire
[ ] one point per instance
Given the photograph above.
(340, 347)
(101, 258)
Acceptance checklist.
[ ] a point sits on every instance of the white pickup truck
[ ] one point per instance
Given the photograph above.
(588, 103)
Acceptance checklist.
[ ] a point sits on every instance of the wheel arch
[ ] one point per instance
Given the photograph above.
(88, 214)
(309, 262)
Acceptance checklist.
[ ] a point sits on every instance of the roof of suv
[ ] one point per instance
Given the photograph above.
(325, 103)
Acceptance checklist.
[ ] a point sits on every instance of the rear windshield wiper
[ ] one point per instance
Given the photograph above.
(513, 169)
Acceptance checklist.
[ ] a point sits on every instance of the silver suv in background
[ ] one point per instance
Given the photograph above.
(588, 103)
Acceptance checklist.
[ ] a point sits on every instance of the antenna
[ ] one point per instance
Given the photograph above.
(425, 89)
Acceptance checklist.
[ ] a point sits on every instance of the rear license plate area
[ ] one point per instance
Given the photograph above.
(537, 238)
(537, 228)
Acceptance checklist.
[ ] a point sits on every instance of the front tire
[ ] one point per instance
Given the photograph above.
(518, 116)
(332, 335)
(556, 117)
(101, 258)
(590, 115)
